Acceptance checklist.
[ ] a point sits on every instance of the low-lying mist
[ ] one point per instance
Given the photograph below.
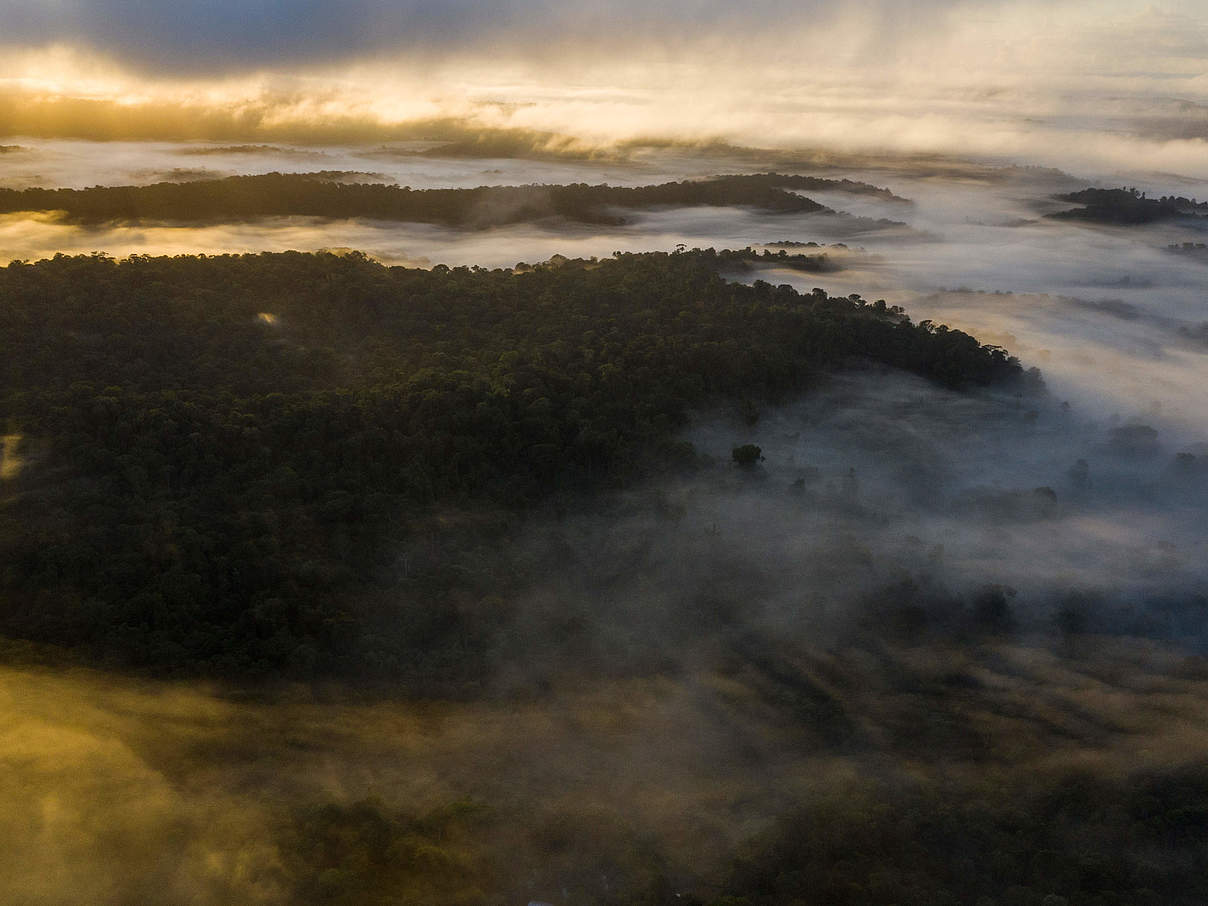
(882, 501)
(693, 661)
(1109, 313)
(72, 163)
(976, 595)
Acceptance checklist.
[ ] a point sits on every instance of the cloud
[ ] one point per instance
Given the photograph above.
(220, 36)
(199, 35)
(1103, 83)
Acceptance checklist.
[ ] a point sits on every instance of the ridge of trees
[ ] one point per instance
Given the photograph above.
(225, 454)
(326, 194)
(1128, 207)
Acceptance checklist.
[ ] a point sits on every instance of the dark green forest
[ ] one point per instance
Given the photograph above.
(329, 195)
(225, 454)
(1128, 207)
(315, 466)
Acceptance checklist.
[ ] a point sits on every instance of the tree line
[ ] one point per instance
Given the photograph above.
(328, 194)
(224, 455)
(1128, 207)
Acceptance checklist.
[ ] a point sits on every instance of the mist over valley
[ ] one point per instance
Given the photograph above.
(664, 456)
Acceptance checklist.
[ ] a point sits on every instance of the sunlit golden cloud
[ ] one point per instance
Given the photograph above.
(1013, 80)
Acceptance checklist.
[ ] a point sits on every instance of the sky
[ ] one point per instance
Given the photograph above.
(1001, 79)
(197, 37)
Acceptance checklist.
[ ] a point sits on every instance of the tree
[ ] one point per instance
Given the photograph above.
(747, 455)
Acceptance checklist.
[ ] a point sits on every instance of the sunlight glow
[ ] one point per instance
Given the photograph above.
(1013, 81)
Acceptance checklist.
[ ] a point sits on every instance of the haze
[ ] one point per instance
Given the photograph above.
(922, 619)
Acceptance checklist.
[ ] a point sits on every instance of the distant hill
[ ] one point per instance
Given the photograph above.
(338, 195)
(1128, 207)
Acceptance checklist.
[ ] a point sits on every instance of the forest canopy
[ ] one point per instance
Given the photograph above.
(329, 194)
(1128, 207)
(220, 451)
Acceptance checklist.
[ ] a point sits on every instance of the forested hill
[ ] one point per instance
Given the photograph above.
(1128, 207)
(328, 195)
(220, 454)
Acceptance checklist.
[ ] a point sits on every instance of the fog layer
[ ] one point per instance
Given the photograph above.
(912, 587)
(116, 792)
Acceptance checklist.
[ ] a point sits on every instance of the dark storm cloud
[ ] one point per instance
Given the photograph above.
(215, 34)
(202, 35)
(197, 36)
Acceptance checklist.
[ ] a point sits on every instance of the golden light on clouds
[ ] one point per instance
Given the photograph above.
(115, 791)
(11, 460)
(1011, 80)
(571, 710)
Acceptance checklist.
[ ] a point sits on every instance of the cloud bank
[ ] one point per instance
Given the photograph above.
(1105, 81)
(217, 37)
